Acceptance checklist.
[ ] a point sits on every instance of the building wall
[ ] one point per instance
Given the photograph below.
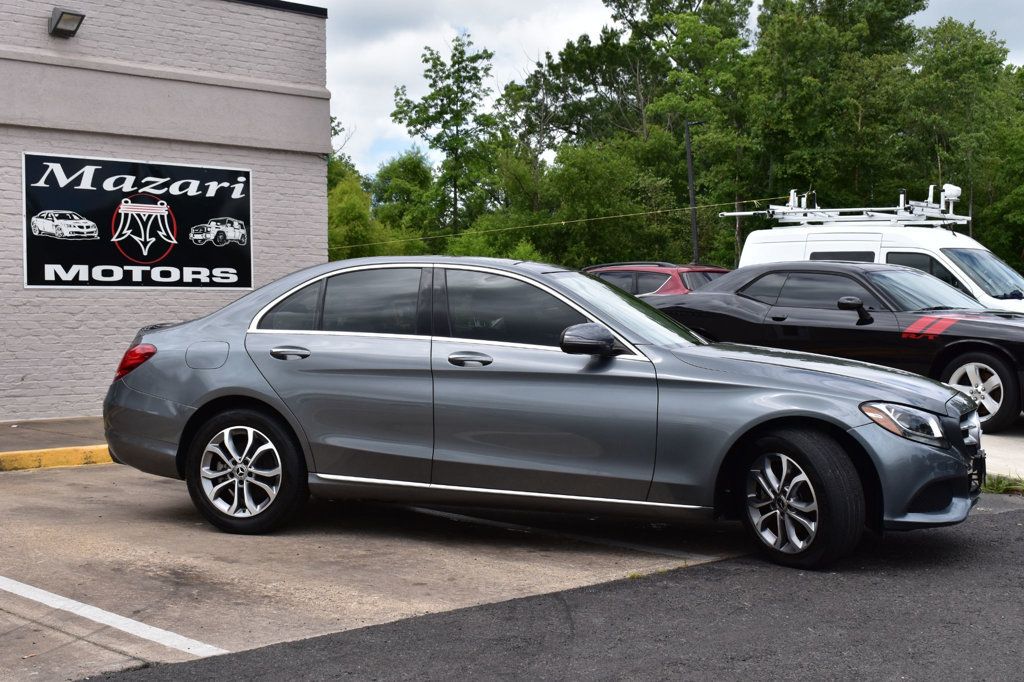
(264, 106)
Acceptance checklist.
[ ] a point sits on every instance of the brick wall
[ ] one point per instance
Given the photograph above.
(59, 348)
(215, 36)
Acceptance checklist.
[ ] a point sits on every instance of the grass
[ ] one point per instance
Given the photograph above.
(1003, 485)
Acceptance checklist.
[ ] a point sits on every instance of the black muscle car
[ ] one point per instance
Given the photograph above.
(886, 314)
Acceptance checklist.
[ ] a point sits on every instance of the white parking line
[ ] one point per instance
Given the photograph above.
(588, 539)
(132, 627)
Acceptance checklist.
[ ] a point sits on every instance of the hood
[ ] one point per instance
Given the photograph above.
(1006, 323)
(821, 373)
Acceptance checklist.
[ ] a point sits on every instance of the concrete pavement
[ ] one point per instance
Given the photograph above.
(131, 546)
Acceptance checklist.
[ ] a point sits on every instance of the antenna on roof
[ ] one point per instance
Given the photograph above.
(803, 210)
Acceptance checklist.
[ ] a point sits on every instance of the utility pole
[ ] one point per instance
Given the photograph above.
(693, 195)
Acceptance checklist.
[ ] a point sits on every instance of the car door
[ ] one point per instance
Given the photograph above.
(350, 356)
(806, 317)
(513, 412)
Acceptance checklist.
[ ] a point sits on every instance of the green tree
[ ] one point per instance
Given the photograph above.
(450, 117)
(403, 193)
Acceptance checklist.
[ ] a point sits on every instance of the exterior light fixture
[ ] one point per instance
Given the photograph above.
(64, 23)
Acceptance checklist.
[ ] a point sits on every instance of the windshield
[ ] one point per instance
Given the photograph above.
(996, 278)
(628, 312)
(914, 290)
(67, 216)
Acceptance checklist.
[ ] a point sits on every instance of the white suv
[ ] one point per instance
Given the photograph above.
(219, 231)
(916, 234)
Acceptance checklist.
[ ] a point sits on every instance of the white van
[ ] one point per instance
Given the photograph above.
(917, 234)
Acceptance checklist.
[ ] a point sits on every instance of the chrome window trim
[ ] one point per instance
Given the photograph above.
(314, 332)
(496, 491)
(635, 353)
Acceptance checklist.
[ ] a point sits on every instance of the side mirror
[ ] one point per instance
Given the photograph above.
(588, 338)
(854, 303)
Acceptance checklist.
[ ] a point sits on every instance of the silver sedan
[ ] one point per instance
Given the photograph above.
(521, 385)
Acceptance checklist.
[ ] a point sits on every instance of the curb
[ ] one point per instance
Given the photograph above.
(54, 457)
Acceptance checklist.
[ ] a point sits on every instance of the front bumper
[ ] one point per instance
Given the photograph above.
(143, 431)
(922, 486)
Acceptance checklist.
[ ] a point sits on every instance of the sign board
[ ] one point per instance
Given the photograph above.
(135, 224)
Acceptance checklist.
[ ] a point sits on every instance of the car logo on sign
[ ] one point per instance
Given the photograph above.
(141, 225)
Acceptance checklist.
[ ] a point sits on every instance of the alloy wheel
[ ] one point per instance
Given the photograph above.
(983, 384)
(781, 503)
(241, 471)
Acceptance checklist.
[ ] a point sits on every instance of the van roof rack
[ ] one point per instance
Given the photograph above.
(803, 209)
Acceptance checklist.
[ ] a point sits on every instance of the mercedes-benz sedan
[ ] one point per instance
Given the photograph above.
(521, 385)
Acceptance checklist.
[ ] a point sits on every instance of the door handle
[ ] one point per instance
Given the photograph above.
(779, 318)
(285, 352)
(470, 358)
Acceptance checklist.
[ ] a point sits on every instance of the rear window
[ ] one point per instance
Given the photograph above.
(765, 288)
(695, 280)
(859, 256)
(298, 312)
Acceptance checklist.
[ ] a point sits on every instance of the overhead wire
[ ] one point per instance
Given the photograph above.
(554, 223)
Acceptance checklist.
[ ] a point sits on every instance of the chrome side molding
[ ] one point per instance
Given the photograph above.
(493, 491)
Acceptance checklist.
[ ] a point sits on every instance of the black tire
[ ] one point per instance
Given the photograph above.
(242, 240)
(220, 239)
(292, 491)
(834, 485)
(1010, 408)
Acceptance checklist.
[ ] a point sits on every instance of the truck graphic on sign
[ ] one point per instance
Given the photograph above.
(219, 231)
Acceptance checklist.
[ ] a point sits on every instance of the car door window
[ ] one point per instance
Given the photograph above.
(490, 307)
(379, 301)
(298, 312)
(649, 282)
(926, 263)
(765, 288)
(623, 280)
(820, 290)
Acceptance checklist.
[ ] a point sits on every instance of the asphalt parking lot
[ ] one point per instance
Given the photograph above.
(105, 569)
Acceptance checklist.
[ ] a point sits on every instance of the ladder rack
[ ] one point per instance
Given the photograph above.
(803, 209)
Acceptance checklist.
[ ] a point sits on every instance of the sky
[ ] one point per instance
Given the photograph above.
(374, 46)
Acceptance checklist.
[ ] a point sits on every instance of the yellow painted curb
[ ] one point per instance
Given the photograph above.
(54, 457)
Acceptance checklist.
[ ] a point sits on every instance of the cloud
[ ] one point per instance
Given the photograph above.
(375, 46)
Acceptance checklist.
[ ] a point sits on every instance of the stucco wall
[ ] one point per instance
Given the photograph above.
(261, 68)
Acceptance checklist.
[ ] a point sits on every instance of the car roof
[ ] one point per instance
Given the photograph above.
(894, 234)
(654, 266)
(749, 272)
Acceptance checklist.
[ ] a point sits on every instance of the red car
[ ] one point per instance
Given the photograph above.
(652, 278)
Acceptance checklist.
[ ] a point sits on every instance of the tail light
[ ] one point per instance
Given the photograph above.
(133, 357)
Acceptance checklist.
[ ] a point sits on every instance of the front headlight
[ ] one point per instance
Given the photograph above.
(908, 422)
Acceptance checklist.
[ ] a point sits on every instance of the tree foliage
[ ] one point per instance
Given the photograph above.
(583, 159)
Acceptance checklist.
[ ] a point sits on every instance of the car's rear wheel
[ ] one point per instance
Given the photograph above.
(802, 498)
(220, 239)
(992, 383)
(245, 473)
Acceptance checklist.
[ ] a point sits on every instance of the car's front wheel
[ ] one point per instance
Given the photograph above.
(245, 473)
(802, 498)
(992, 383)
